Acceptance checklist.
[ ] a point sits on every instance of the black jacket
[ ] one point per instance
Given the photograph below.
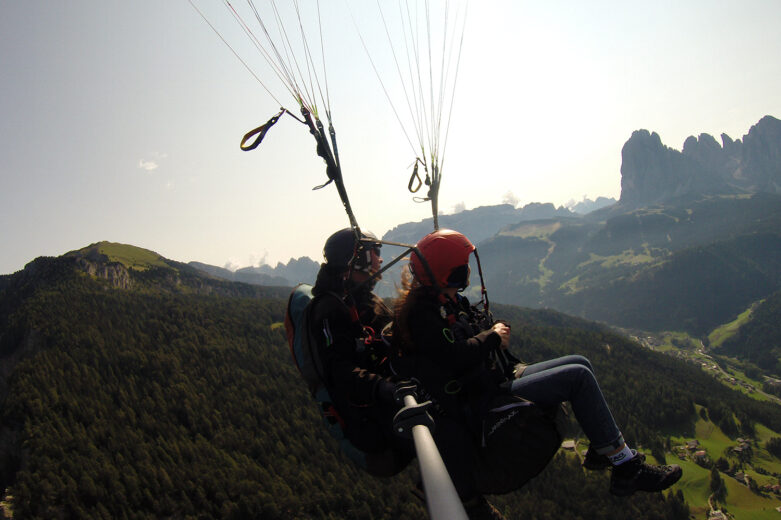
(353, 369)
(451, 360)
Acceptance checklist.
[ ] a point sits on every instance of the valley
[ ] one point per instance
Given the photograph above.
(729, 371)
(750, 475)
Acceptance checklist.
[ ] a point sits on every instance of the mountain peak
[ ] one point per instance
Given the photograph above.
(127, 267)
(652, 173)
(132, 257)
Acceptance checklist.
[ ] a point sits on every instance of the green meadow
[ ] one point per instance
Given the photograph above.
(130, 256)
(695, 485)
(712, 439)
(741, 502)
(722, 333)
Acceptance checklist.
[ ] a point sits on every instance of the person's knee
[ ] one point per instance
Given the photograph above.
(581, 373)
(577, 359)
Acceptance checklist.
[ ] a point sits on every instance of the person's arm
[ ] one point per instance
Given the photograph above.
(432, 335)
(337, 334)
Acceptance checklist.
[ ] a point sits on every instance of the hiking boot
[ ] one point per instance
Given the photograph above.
(482, 509)
(636, 475)
(596, 462)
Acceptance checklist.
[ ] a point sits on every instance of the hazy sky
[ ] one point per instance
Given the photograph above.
(121, 120)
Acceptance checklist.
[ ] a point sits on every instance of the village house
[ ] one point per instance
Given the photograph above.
(743, 445)
(775, 489)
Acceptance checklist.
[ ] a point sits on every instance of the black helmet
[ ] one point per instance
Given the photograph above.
(340, 249)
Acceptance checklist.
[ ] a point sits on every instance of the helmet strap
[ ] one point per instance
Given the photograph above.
(483, 290)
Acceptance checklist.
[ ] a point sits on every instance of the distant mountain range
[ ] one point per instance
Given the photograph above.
(693, 241)
(586, 206)
(479, 223)
(298, 270)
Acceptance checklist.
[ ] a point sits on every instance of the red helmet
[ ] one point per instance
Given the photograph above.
(447, 254)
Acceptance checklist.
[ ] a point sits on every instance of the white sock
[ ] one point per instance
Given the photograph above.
(622, 456)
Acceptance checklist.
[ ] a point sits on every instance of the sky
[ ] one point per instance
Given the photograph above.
(121, 121)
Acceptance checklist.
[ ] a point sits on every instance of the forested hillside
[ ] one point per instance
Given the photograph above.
(759, 340)
(132, 404)
(161, 400)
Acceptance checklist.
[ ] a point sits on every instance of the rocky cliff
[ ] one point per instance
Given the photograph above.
(115, 273)
(652, 173)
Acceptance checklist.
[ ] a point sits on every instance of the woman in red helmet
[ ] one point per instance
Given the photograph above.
(446, 342)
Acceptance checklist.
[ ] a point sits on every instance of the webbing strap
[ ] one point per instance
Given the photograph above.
(260, 132)
(328, 152)
(412, 186)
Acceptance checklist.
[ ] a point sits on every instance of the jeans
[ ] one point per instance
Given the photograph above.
(571, 378)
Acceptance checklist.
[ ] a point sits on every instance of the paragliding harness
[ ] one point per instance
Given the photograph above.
(306, 355)
(517, 438)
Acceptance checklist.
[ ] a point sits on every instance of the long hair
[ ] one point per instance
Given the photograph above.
(330, 279)
(408, 295)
